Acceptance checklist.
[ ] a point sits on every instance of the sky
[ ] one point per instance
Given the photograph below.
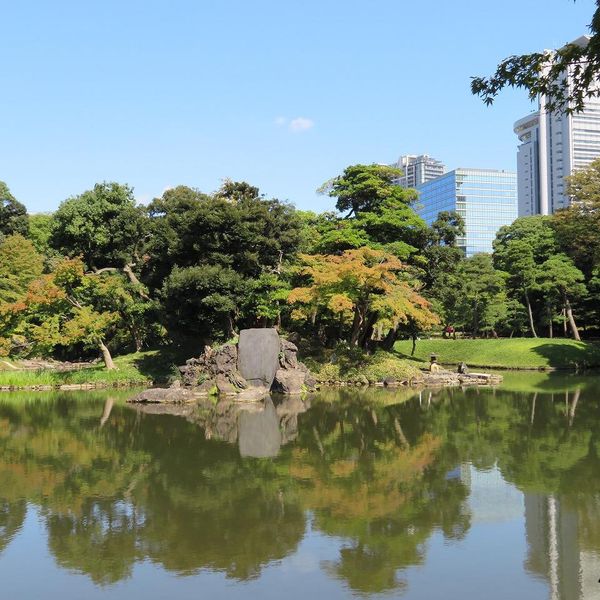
(282, 94)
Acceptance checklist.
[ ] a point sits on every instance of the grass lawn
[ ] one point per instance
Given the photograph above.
(354, 366)
(515, 353)
(133, 369)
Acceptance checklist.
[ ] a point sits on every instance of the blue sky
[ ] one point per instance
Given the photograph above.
(283, 94)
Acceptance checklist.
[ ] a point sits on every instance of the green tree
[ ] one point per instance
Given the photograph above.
(442, 257)
(363, 188)
(578, 227)
(520, 249)
(13, 214)
(559, 276)
(379, 214)
(482, 295)
(19, 265)
(202, 303)
(40, 230)
(103, 225)
(217, 261)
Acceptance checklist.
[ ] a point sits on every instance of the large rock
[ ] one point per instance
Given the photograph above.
(258, 356)
(259, 434)
(289, 381)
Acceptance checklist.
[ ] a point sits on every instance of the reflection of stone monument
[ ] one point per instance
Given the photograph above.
(259, 434)
(260, 428)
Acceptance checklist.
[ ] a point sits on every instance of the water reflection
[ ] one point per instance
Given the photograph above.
(236, 489)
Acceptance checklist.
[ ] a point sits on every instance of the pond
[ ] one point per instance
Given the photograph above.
(349, 493)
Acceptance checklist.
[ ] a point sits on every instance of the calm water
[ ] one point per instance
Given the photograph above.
(474, 494)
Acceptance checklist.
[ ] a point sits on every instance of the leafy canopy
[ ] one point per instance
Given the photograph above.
(361, 287)
(542, 74)
(103, 226)
(13, 215)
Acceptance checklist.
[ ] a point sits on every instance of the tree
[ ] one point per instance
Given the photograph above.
(216, 260)
(560, 276)
(40, 230)
(520, 249)
(483, 300)
(441, 258)
(19, 265)
(103, 225)
(363, 188)
(13, 215)
(578, 227)
(542, 74)
(201, 304)
(362, 289)
(379, 214)
(69, 310)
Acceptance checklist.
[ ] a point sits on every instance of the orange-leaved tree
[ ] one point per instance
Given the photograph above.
(60, 309)
(369, 291)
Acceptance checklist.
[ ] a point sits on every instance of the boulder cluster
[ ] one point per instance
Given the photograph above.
(219, 371)
(218, 368)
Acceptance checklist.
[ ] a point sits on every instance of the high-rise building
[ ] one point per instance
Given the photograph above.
(418, 169)
(553, 145)
(485, 198)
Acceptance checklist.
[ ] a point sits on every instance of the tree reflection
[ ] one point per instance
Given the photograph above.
(116, 486)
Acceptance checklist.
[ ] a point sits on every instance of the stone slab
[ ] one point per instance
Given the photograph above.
(258, 356)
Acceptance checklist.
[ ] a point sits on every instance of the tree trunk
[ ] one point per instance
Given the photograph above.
(367, 332)
(532, 417)
(108, 406)
(530, 313)
(137, 338)
(564, 316)
(571, 319)
(390, 339)
(356, 326)
(414, 344)
(108, 361)
(574, 406)
(550, 328)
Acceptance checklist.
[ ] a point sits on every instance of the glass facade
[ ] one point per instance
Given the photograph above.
(486, 199)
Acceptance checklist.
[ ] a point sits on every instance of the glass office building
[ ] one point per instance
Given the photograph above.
(485, 198)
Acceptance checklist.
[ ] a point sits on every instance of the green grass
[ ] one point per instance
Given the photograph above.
(515, 353)
(132, 369)
(354, 366)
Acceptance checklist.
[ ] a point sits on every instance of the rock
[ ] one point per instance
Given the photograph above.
(165, 395)
(258, 356)
(252, 394)
(310, 383)
(205, 388)
(288, 355)
(289, 381)
(259, 434)
(224, 386)
(225, 359)
(393, 382)
(435, 368)
(462, 368)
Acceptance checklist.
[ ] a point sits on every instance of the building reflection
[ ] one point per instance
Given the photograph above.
(558, 550)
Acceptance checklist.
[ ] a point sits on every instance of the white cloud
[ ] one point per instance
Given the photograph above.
(301, 124)
(280, 121)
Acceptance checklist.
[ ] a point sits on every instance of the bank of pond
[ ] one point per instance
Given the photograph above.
(332, 366)
(351, 491)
